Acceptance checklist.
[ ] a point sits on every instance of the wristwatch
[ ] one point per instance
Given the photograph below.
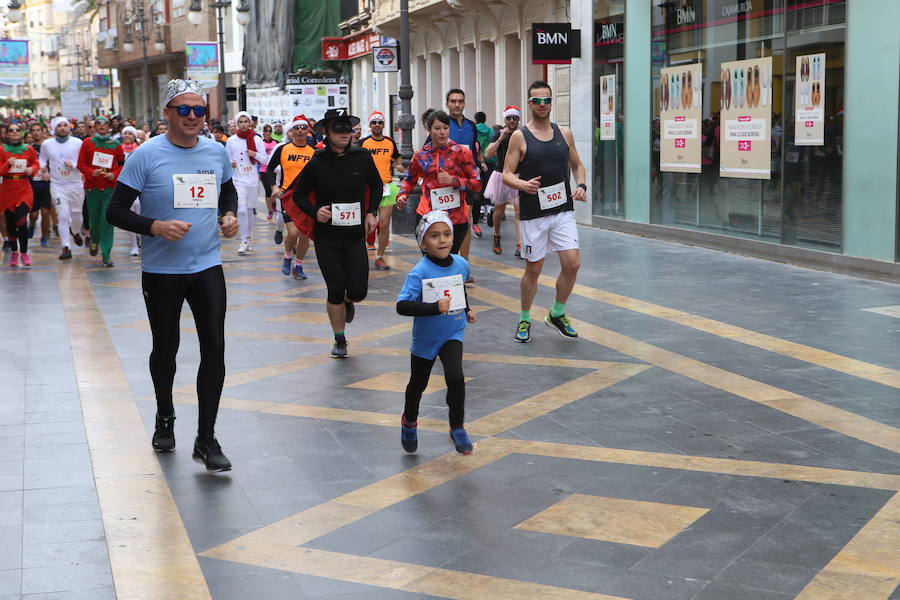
(582, 186)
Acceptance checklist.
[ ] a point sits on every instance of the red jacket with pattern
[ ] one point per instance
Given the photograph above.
(87, 167)
(453, 158)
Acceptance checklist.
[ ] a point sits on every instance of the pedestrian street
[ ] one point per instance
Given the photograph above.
(724, 428)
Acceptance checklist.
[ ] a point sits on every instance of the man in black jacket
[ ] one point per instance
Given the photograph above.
(340, 190)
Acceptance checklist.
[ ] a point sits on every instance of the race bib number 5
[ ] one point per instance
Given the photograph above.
(552, 196)
(102, 160)
(445, 287)
(346, 214)
(195, 190)
(445, 198)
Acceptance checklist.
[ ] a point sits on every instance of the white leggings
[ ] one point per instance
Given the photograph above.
(135, 207)
(69, 201)
(248, 195)
(279, 218)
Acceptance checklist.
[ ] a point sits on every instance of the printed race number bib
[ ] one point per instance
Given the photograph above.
(445, 287)
(346, 214)
(246, 168)
(102, 160)
(195, 190)
(18, 166)
(64, 172)
(444, 198)
(552, 196)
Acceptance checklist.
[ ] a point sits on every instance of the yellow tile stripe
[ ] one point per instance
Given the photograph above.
(868, 566)
(149, 550)
(842, 421)
(823, 358)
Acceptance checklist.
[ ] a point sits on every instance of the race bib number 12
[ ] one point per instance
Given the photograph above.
(195, 190)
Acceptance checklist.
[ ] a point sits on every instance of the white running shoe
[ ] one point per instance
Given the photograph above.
(249, 244)
(243, 248)
(135, 251)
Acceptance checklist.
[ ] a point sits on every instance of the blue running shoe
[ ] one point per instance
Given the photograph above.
(562, 325)
(298, 271)
(45, 242)
(523, 332)
(461, 440)
(409, 435)
(286, 265)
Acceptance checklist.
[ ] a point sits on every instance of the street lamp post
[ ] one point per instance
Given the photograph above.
(140, 19)
(406, 121)
(195, 16)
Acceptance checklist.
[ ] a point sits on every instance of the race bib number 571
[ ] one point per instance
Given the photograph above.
(195, 190)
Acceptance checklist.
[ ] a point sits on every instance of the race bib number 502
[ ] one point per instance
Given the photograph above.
(195, 190)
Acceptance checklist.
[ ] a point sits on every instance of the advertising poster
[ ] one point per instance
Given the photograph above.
(203, 62)
(680, 116)
(14, 62)
(746, 121)
(76, 104)
(608, 107)
(312, 96)
(809, 100)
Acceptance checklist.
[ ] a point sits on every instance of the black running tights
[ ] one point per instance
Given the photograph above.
(344, 263)
(17, 228)
(164, 296)
(420, 370)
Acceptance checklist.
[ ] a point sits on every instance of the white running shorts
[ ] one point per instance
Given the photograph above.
(552, 233)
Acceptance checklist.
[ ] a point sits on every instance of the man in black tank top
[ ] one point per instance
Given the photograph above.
(538, 164)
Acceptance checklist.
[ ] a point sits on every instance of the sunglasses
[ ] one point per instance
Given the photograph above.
(184, 110)
(376, 122)
(543, 100)
(301, 127)
(341, 128)
(512, 118)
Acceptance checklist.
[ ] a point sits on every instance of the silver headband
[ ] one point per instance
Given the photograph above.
(177, 87)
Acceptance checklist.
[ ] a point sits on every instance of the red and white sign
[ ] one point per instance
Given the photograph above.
(349, 47)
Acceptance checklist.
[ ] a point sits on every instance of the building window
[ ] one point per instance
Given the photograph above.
(178, 8)
(792, 193)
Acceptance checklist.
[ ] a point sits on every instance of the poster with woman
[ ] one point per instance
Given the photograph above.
(680, 114)
(608, 107)
(746, 122)
(809, 100)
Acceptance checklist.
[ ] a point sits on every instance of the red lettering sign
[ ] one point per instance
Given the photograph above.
(743, 119)
(744, 146)
(680, 118)
(809, 123)
(680, 143)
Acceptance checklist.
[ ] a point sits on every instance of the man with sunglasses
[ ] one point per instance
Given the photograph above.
(187, 198)
(537, 164)
(289, 160)
(384, 152)
(247, 152)
(339, 191)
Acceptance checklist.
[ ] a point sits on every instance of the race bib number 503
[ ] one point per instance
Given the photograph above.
(195, 190)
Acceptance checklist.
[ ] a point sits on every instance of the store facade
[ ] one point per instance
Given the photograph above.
(745, 124)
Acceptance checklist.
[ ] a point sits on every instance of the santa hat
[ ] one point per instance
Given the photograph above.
(512, 111)
(299, 120)
(376, 116)
(56, 121)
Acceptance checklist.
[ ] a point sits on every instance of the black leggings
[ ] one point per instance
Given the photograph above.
(460, 231)
(17, 228)
(164, 296)
(344, 263)
(420, 370)
(268, 180)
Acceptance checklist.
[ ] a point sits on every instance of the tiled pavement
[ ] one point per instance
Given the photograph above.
(725, 428)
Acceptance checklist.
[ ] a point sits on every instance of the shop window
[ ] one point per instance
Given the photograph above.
(737, 164)
(609, 96)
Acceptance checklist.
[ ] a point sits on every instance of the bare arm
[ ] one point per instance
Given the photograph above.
(577, 166)
(491, 151)
(514, 155)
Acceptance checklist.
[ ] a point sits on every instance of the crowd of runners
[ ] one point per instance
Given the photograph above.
(182, 187)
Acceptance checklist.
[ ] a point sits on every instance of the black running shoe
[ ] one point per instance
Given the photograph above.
(77, 238)
(65, 254)
(94, 249)
(208, 451)
(279, 237)
(351, 311)
(339, 350)
(562, 325)
(164, 436)
(108, 264)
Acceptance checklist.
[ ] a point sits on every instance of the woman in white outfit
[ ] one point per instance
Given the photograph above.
(247, 152)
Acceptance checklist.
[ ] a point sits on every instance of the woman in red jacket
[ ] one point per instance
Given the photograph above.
(447, 171)
(18, 162)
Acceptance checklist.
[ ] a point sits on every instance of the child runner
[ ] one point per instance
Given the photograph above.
(434, 294)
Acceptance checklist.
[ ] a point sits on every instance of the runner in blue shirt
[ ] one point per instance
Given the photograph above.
(187, 198)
